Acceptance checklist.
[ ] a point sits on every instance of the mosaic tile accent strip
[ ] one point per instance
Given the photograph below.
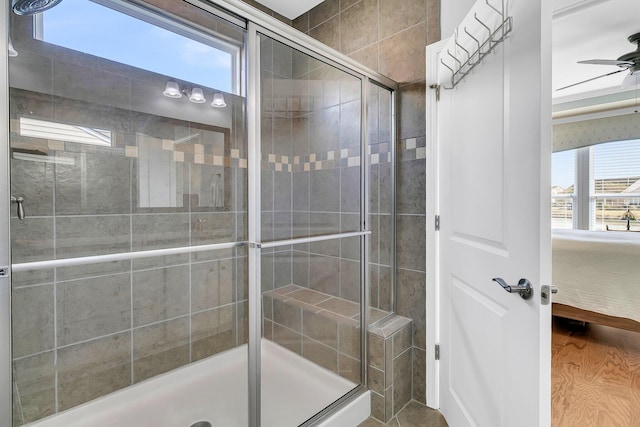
(410, 149)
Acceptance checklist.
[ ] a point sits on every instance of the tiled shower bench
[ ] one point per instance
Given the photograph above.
(326, 330)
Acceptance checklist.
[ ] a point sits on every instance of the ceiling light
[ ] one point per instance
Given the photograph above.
(12, 50)
(172, 90)
(218, 100)
(197, 96)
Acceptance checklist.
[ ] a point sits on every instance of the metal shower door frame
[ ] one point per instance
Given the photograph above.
(5, 240)
(257, 21)
(310, 47)
(5, 221)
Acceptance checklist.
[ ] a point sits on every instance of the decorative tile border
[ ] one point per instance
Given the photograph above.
(409, 149)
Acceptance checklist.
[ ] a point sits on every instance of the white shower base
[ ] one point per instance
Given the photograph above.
(215, 390)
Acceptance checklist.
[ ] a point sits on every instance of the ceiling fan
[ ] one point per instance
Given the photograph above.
(627, 62)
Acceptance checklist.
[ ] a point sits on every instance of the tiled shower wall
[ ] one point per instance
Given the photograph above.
(82, 332)
(311, 175)
(390, 36)
(310, 185)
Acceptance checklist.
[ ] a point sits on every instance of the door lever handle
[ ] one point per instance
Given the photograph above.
(523, 288)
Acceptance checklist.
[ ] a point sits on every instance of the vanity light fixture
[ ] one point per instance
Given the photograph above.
(197, 96)
(172, 90)
(218, 100)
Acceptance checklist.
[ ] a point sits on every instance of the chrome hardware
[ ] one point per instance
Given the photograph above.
(19, 200)
(524, 287)
(4, 271)
(545, 293)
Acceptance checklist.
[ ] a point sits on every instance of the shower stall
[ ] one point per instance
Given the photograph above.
(197, 218)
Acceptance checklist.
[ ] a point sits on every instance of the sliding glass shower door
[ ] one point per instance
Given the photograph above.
(128, 233)
(312, 233)
(172, 204)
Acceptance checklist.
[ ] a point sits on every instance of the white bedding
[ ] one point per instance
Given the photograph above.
(598, 271)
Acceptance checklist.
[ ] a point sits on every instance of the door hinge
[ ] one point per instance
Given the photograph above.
(437, 223)
(437, 88)
(437, 351)
(4, 271)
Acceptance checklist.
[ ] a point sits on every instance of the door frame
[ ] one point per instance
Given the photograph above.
(432, 202)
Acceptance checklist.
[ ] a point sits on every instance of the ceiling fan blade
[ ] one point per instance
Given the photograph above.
(622, 64)
(591, 79)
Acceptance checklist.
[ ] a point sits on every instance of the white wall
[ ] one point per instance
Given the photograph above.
(451, 13)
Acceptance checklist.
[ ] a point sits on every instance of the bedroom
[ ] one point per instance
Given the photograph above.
(595, 212)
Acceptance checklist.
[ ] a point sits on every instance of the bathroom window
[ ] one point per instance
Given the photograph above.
(64, 132)
(211, 60)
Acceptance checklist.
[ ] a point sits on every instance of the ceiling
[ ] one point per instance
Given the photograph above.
(591, 29)
(290, 8)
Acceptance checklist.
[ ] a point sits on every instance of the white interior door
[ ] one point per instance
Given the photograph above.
(494, 154)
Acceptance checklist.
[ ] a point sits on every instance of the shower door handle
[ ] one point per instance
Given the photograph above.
(19, 200)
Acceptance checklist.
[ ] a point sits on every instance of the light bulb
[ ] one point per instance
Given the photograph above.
(172, 90)
(218, 100)
(197, 96)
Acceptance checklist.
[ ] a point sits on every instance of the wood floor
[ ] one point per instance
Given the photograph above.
(595, 376)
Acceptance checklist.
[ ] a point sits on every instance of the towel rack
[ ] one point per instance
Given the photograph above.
(464, 60)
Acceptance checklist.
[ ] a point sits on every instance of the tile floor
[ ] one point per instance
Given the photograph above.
(415, 414)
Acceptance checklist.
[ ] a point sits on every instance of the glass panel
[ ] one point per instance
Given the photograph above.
(615, 185)
(563, 188)
(108, 164)
(311, 325)
(380, 201)
(310, 144)
(310, 186)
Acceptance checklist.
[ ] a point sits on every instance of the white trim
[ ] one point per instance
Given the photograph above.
(432, 209)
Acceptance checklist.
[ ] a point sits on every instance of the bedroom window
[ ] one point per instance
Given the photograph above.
(563, 184)
(597, 187)
(615, 184)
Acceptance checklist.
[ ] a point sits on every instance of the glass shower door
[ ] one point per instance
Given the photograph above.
(130, 260)
(311, 233)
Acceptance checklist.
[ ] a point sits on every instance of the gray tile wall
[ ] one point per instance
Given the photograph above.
(112, 324)
(390, 36)
(310, 171)
(390, 366)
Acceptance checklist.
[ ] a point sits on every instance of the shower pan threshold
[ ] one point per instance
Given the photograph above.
(215, 390)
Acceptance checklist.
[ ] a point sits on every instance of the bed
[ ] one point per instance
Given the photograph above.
(597, 274)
